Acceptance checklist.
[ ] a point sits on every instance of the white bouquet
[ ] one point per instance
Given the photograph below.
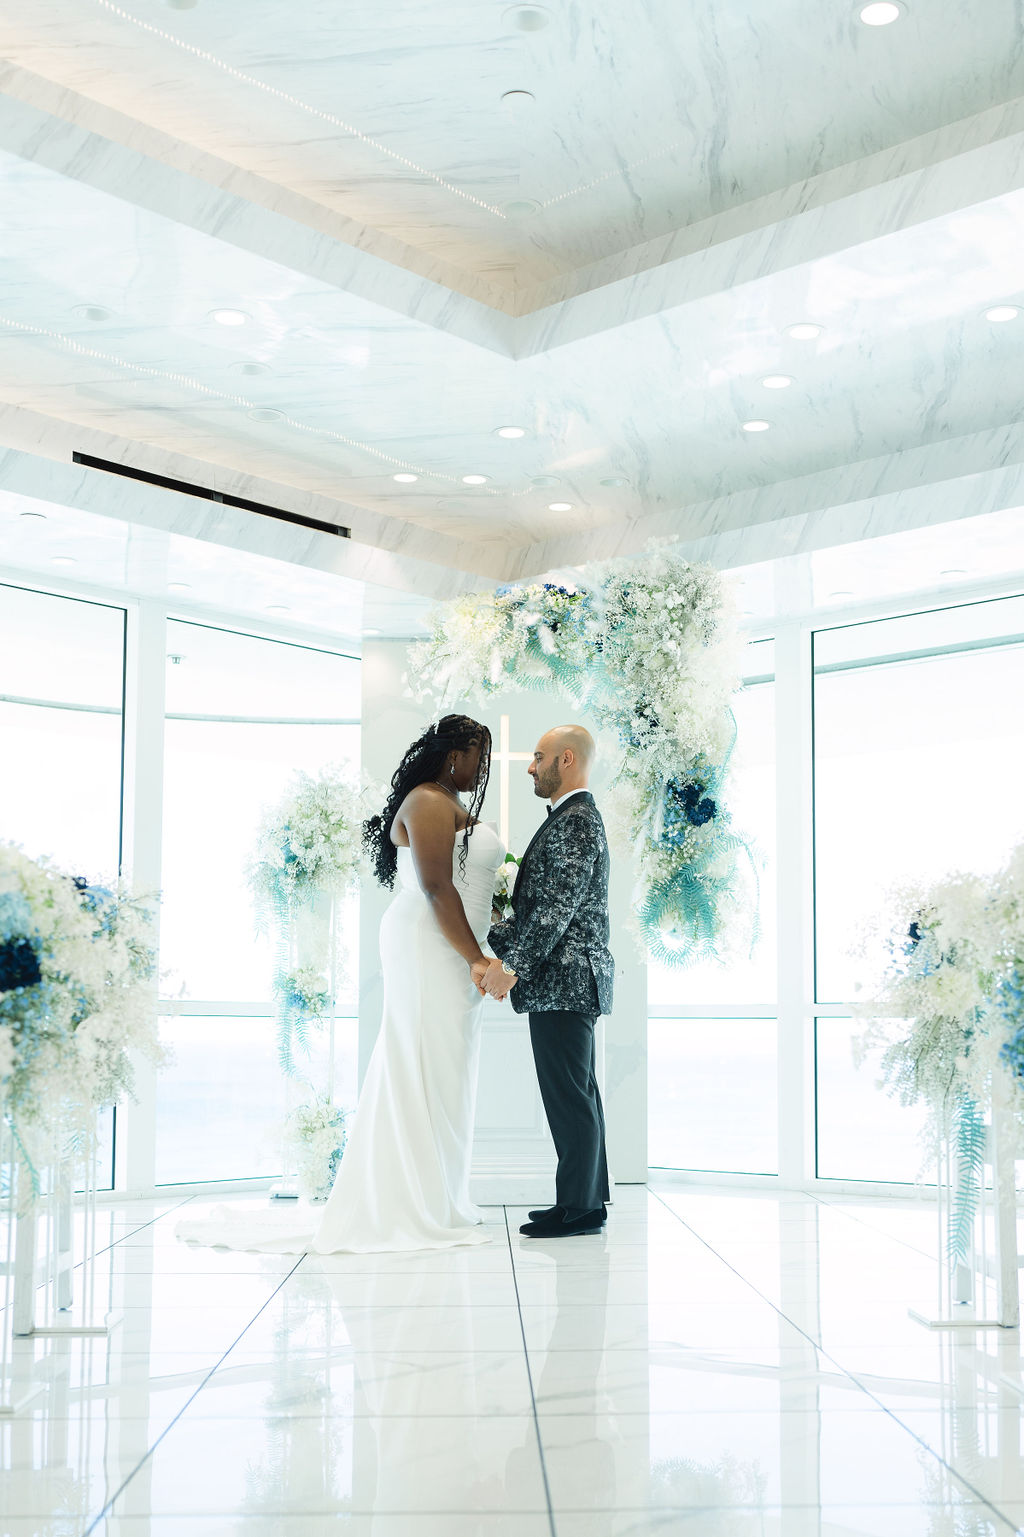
(504, 885)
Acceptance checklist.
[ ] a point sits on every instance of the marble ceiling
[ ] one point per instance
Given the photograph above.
(610, 258)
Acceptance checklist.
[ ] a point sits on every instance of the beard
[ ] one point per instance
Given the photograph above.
(548, 784)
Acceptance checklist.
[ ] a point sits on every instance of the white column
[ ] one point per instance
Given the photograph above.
(142, 852)
(624, 1084)
(794, 888)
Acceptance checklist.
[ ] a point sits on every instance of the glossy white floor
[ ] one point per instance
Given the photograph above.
(720, 1364)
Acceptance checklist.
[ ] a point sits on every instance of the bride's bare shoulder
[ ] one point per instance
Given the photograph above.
(427, 803)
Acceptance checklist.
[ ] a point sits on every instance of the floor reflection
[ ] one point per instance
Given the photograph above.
(717, 1364)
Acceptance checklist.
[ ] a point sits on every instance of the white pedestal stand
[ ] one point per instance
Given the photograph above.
(983, 1291)
(19, 1383)
(43, 1301)
(312, 931)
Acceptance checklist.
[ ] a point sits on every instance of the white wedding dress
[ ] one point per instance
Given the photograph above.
(403, 1182)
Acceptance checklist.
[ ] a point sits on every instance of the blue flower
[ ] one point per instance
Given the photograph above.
(688, 803)
(19, 965)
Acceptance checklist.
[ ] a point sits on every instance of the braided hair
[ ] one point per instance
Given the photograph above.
(423, 762)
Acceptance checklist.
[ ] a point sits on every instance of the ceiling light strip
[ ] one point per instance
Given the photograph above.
(294, 101)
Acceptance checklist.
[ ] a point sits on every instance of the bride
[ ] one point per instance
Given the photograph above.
(403, 1182)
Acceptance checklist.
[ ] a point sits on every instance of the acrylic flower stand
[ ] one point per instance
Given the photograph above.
(315, 935)
(982, 1291)
(50, 1266)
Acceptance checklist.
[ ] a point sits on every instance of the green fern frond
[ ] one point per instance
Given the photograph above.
(969, 1136)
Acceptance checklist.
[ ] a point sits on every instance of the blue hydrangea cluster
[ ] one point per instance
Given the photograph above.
(687, 804)
(19, 965)
(19, 960)
(1010, 994)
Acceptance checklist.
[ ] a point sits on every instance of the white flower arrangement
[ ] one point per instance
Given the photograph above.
(650, 648)
(954, 993)
(315, 1133)
(309, 853)
(76, 1004)
(956, 952)
(311, 841)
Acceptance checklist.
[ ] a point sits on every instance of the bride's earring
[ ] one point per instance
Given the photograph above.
(451, 769)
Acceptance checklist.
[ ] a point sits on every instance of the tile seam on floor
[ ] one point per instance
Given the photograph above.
(529, 1378)
(838, 1211)
(981, 1498)
(109, 1505)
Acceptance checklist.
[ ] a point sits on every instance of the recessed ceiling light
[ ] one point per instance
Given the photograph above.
(474, 480)
(180, 586)
(371, 632)
(756, 426)
(842, 592)
(614, 480)
(953, 571)
(545, 480)
(64, 560)
(230, 317)
(880, 13)
(265, 414)
(518, 100)
(559, 506)
(1002, 312)
(527, 18)
(777, 381)
(804, 331)
(511, 432)
(251, 370)
(33, 515)
(278, 608)
(405, 480)
(94, 312)
(521, 208)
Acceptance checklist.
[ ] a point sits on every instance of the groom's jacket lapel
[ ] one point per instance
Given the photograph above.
(544, 828)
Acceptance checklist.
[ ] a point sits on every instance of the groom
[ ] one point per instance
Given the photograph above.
(553, 954)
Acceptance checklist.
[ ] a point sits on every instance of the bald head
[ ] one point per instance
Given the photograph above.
(562, 761)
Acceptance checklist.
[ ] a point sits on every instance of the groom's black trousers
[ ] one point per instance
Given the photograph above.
(565, 1054)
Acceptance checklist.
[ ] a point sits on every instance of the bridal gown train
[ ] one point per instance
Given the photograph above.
(403, 1182)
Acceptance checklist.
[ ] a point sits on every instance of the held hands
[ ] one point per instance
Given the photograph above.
(498, 982)
(490, 980)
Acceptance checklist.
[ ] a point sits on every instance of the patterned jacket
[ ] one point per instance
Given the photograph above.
(556, 940)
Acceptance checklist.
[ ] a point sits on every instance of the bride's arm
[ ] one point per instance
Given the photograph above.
(430, 826)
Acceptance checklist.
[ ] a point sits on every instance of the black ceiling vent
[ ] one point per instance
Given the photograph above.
(207, 495)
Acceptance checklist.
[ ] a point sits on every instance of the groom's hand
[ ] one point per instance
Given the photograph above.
(498, 982)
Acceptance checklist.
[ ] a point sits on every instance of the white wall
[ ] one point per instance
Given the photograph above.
(513, 1159)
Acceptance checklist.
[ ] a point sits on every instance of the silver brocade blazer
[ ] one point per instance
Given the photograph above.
(556, 940)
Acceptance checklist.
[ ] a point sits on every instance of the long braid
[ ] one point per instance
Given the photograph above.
(422, 762)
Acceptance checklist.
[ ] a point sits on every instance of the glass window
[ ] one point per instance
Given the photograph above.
(863, 1133)
(61, 718)
(221, 1101)
(713, 1095)
(918, 767)
(61, 703)
(243, 714)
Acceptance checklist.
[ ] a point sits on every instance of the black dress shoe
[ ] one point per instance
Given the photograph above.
(547, 1214)
(559, 1227)
(551, 1212)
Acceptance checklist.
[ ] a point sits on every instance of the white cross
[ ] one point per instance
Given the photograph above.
(505, 758)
